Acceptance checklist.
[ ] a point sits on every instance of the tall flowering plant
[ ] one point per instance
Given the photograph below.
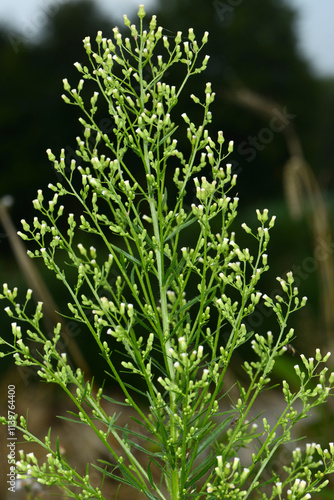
(177, 307)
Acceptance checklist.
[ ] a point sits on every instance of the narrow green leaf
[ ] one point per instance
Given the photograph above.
(112, 400)
(201, 470)
(127, 255)
(165, 137)
(213, 436)
(180, 228)
(69, 419)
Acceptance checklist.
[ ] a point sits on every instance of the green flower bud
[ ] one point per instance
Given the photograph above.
(272, 222)
(78, 67)
(191, 34)
(178, 37)
(40, 196)
(246, 228)
(205, 63)
(205, 374)
(9, 311)
(290, 277)
(166, 42)
(66, 85)
(126, 20)
(98, 38)
(278, 488)
(80, 85)
(51, 156)
(220, 139)
(153, 23)
(66, 99)
(134, 31)
(141, 12)
(119, 39)
(94, 99)
(25, 225)
(205, 37)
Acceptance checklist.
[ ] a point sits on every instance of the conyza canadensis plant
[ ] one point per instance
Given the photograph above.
(153, 270)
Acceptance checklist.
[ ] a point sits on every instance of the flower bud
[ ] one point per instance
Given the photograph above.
(78, 67)
(191, 34)
(141, 12)
(98, 38)
(67, 86)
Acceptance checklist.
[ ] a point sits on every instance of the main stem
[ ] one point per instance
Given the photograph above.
(172, 475)
(173, 483)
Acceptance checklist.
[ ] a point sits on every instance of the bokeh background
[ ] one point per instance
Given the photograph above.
(272, 68)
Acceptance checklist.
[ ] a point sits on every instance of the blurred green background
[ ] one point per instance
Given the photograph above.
(269, 100)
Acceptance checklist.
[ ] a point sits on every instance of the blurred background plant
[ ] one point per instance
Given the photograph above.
(269, 101)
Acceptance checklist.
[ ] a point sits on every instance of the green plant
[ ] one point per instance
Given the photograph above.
(190, 302)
